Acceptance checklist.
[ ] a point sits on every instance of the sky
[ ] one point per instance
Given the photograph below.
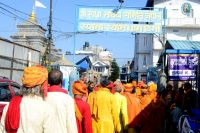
(121, 45)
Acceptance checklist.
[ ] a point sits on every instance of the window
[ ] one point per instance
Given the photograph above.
(99, 69)
(5, 94)
(175, 30)
(144, 61)
(189, 36)
(145, 41)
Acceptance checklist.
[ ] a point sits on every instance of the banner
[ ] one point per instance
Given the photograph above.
(124, 20)
(129, 15)
(182, 67)
(112, 27)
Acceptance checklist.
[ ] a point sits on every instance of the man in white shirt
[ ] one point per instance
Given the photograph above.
(29, 113)
(62, 103)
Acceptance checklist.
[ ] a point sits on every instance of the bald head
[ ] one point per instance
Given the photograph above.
(55, 77)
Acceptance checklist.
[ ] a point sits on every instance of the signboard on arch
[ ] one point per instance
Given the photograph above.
(112, 27)
(105, 19)
(107, 14)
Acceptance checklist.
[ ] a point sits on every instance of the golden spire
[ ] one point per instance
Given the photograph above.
(32, 17)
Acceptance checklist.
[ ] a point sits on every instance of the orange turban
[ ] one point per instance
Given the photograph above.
(144, 86)
(79, 88)
(34, 76)
(134, 83)
(138, 91)
(152, 87)
(140, 83)
(128, 87)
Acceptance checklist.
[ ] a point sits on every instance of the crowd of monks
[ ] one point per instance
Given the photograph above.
(139, 107)
(107, 107)
(125, 108)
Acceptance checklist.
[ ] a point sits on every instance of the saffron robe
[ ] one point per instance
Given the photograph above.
(145, 101)
(104, 114)
(84, 126)
(152, 117)
(133, 107)
(122, 111)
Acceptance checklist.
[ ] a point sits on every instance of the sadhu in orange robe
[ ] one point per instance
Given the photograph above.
(133, 104)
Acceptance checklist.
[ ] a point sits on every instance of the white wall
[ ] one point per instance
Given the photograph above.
(105, 72)
(156, 44)
(20, 55)
(143, 43)
(179, 26)
(156, 55)
(143, 51)
(182, 33)
(175, 15)
(196, 37)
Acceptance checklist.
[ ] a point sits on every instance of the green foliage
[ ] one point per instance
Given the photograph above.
(114, 71)
(49, 68)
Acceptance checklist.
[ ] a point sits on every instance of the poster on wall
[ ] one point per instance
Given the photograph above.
(182, 67)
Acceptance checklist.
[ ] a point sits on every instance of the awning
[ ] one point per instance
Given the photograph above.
(84, 65)
(182, 47)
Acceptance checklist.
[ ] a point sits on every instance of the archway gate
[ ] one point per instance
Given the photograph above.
(108, 19)
(123, 19)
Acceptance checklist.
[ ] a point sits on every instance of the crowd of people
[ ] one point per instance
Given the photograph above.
(106, 107)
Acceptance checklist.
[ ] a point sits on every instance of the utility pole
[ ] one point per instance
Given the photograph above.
(49, 35)
(47, 55)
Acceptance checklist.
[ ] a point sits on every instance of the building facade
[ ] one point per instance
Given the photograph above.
(182, 23)
(27, 48)
(93, 60)
(143, 54)
(32, 34)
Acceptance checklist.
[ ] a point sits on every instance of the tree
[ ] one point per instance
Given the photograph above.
(114, 71)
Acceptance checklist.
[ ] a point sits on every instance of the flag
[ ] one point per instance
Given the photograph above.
(39, 4)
